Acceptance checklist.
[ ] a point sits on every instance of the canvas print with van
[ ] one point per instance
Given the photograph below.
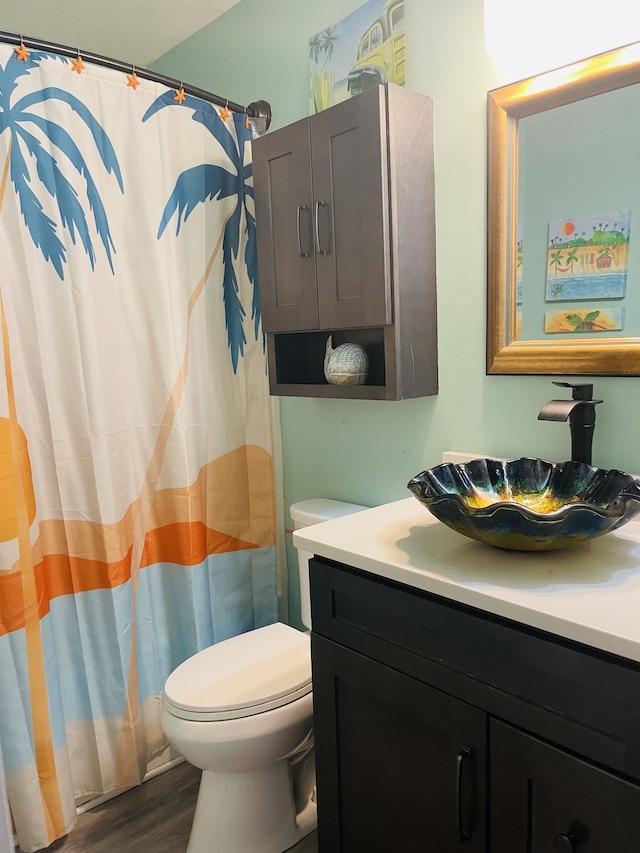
(365, 49)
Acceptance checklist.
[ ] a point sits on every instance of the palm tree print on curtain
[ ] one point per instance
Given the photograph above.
(210, 181)
(29, 131)
(137, 519)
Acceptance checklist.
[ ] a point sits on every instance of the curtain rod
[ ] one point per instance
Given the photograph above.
(256, 109)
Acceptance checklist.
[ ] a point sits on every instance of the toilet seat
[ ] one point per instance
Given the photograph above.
(245, 675)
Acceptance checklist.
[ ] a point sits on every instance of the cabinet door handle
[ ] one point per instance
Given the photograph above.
(301, 208)
(464, 833)
(316, 217)
(565, 843)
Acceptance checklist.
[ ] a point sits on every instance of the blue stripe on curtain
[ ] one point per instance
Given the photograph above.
(179, 609)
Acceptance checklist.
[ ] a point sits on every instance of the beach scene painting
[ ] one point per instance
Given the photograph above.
(584, 320)
(363, 50)
(587, 257)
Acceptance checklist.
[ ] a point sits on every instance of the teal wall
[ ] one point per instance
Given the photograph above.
(366, 451)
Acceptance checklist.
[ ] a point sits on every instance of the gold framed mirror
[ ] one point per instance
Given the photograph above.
(563, 261)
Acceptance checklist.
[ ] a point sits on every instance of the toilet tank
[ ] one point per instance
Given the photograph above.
(303, 514)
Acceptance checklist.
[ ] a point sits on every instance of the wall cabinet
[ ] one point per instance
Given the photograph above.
(346, 244)
(441, 728)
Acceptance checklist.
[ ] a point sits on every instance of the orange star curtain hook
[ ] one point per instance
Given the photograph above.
(132, 79)
(77, 64)
(224, 112)
(21, 51)
(180, 96)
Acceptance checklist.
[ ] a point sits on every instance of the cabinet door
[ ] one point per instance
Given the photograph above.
(400, 766)
(349, 151)
(284, 211)
(544, 800)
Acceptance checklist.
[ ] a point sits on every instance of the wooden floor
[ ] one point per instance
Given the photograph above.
(152, 818)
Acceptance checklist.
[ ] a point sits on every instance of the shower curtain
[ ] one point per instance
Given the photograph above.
(137, 518)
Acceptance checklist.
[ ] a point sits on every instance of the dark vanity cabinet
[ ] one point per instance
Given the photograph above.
(398, 762)
(439, 727)
(550, 800)
(346, 245)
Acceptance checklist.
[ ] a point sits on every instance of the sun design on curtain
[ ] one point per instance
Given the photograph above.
(133, 535)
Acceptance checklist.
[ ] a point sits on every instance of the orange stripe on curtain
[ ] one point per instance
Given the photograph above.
(188, 544)
(59, 574)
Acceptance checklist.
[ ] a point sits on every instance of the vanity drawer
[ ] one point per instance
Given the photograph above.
(587, 700)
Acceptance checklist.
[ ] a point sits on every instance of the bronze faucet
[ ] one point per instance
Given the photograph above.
(580, 411)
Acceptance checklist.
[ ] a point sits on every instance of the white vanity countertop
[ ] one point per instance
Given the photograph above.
(590, 593)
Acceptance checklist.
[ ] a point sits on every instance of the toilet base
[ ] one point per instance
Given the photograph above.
(249, 812)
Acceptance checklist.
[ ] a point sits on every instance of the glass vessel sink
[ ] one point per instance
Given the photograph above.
(528, 504)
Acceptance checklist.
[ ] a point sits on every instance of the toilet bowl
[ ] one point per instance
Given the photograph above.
(241, 711)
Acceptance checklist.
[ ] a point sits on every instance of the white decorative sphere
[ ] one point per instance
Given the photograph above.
(347, 364)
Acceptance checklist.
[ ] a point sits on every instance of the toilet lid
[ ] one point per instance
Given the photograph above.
(244, 675)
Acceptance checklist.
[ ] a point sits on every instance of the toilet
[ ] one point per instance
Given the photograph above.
(242, 711)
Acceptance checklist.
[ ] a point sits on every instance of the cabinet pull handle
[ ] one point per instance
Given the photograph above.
(316, 217)
(464, 834)
(301, 208)
(565, 843)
